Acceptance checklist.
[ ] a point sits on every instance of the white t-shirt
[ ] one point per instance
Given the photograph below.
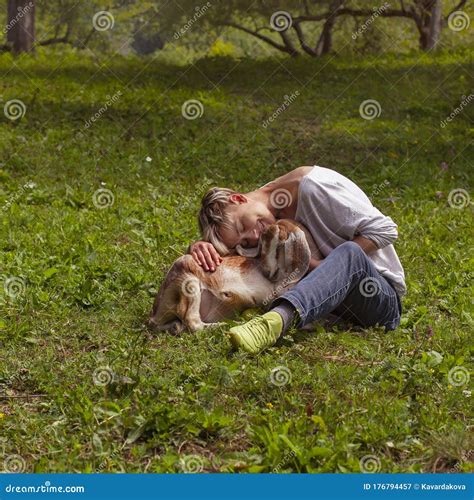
(335, 210)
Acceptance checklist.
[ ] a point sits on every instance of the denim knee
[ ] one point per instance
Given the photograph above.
(350, 248)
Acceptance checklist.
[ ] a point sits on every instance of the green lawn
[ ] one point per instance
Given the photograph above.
(78, 279)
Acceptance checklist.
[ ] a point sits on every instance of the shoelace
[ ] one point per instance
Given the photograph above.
(257, 327)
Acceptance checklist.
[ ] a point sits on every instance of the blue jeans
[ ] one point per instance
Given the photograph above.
(346, 284)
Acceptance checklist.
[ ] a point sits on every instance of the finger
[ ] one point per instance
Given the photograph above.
(215, 256)
(209, 260)
(201, 259)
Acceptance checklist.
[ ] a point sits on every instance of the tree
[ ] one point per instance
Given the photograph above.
(288, 25)
(21, 25)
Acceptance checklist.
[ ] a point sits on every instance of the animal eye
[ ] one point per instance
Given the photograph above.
(227, 295)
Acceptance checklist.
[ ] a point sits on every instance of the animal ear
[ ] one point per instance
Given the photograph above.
(248, 252)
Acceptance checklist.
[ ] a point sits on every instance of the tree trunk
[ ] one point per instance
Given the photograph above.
(324, 45)
(10, 16)
(21, 25)
(434, 26)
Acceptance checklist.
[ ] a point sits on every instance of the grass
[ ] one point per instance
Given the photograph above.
(84, 387)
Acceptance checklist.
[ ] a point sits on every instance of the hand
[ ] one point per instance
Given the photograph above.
(205, 255)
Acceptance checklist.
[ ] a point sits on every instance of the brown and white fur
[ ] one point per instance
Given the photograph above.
(193, 299)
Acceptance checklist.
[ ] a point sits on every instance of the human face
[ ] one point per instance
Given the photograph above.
(248, 219)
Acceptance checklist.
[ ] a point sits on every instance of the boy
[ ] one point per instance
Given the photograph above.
(360, 278)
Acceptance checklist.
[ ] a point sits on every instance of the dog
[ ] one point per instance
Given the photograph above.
(193, 299)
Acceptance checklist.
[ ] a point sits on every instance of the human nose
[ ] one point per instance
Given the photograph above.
(252, 237)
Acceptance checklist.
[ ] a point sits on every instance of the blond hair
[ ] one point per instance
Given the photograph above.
(213, 215)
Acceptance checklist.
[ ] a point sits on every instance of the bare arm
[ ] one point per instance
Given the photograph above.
(367, 245)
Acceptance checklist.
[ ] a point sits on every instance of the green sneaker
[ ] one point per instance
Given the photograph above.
(258, 333)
